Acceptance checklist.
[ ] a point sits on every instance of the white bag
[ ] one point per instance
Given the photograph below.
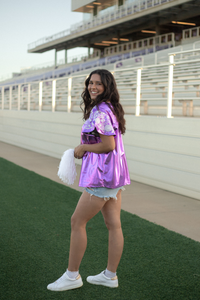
(67, 168)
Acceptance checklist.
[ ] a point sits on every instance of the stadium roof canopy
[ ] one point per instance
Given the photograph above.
(157, 18)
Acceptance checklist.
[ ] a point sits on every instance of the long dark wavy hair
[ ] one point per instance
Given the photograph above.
(110, 94)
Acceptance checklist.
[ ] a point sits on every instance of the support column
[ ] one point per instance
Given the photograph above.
(69, 104)
(170, 86)
(29, 97)
(157, 30)
(2, 99)
(19, 90)
(118, 36)
(120, 2)
(10, 98)
(55, 58)
(94, 11)
(138, 92)
(65, 56)
(53, 95)
(157, 34)
(40, 95)
(88, 48)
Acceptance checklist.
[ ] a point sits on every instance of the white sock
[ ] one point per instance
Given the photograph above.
(72, 275)
(109, 274)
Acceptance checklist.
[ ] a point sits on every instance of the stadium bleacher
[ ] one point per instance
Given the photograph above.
(34, 89)
(154, 89)
(112, 54)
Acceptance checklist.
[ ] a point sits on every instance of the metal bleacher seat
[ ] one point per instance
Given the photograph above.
(154, 89)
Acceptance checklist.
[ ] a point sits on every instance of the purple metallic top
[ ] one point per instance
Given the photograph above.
(106, 169)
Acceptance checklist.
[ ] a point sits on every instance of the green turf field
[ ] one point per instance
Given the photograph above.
(35, 230)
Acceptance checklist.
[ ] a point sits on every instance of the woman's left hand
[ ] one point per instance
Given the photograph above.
(79, 151)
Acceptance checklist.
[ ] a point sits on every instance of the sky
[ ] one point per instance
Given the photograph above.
(25, 21)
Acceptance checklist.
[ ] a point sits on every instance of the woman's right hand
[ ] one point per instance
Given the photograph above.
(79, 151)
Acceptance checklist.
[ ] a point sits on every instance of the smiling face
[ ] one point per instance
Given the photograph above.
(95, 86)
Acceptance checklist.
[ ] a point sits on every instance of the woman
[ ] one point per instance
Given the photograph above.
(104, 172)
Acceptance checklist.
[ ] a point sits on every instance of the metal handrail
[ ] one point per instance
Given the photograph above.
(114, 71)
(70, 78)
(182, 52)
(45, 80)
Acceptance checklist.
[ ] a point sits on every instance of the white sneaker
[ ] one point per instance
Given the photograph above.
(65, 283)
(101, 279)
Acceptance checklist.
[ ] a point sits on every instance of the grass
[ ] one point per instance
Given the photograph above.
(35, 230)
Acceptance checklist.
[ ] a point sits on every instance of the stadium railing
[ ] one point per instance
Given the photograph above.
(190, 33)
(149, 45)
(168, 89)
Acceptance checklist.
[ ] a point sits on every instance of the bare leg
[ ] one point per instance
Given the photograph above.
(111, 213)
(86, 209)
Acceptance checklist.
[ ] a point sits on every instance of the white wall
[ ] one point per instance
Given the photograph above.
(45, 132)
(165, 153)
(161, 152)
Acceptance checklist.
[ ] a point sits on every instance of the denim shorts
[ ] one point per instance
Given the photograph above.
(103, 192)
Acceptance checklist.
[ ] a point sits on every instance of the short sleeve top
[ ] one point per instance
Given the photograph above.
(101, 118)
(106, 169)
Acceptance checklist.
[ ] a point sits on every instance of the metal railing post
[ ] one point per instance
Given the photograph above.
(10, 97)
(170, 86)
(69, 104)
(29, 97)
(40, 95)
(2, 99)
(19, 90)
(53, 95)
(138, 92)
(156, 58)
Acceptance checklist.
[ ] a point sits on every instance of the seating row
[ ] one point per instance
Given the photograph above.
(154, 92)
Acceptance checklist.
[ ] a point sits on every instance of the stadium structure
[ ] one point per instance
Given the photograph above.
(153, 49)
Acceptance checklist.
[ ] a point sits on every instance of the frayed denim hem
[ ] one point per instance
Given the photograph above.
(104, 193)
